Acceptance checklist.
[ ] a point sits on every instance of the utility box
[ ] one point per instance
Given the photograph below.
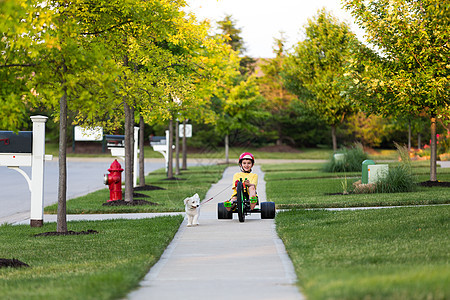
(339, 157)
(20, 142)
(376, 172)
(365, 170)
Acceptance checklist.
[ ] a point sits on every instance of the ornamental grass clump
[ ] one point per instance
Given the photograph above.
(350, 160)
(399, 179)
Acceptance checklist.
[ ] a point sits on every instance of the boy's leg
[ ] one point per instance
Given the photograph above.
(253, 197)
(230, 204)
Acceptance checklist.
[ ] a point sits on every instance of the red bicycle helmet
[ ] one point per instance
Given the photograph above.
(246, 155)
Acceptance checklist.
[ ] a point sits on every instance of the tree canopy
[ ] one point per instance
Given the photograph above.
(315, 70)
(409, 72)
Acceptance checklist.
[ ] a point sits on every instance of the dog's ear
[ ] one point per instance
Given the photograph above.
(196, 196)
(186, 200)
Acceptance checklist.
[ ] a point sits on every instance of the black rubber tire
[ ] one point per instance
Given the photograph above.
(267, 210)
(240, 202)
(222, 212)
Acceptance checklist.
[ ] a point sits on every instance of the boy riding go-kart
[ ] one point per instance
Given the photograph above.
(244, 198)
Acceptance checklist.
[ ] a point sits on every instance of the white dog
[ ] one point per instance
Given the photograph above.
(192, 206)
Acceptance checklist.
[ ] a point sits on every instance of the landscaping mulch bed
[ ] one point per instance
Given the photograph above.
(70, 232)
(139, 195)
(13, 263)
(127, 203)
(435, 183)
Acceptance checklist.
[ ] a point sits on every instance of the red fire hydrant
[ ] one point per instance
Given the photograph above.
(114, 180)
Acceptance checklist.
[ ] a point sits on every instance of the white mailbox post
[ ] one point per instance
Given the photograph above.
(161, 145)
(35, 159)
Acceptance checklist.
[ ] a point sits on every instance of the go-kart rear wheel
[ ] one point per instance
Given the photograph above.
(267, 210)
(222, 212)
(240, 201)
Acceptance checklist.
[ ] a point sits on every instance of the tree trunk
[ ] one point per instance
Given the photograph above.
(61, 221)
(279, 141)
(333, 137)
(129, 133)
(170, 154)
(184, 161)
(419, 141)
(433, 176)
(409, 136)
(141, 152)
(177, 148)
(227, 142)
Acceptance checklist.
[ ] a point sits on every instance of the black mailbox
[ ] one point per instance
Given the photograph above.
(157, 140)
(21, 142)
(115, 140)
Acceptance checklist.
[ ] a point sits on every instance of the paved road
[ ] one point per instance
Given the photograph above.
(83, 176)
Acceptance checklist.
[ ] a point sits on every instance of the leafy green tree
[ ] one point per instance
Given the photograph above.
(69, 79)
(367, 129)
(409, 72)
(19, 48)
(62, 68)
(272, 89)
(226, 103)
(198, 64)
(242, 110)
(157, 53)
(315, 70)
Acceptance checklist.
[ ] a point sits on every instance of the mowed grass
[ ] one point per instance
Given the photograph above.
(304, 185)
(106, 265)
(389, 253)
(168, 199)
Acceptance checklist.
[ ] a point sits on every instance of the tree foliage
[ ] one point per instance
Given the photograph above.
(103, 60)
(314, 71)
(409, 74)
(410, 71)
(278, 98)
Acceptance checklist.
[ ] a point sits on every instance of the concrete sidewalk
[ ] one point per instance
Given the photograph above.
(223, 259)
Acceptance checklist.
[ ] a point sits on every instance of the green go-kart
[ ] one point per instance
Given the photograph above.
(242, 206)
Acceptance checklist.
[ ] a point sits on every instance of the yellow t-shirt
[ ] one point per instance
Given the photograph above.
(252, 177)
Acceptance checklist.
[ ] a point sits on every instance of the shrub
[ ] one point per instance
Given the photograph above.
(398, 180)
(351, 162)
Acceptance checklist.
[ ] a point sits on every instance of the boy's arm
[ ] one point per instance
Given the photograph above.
(254, 179)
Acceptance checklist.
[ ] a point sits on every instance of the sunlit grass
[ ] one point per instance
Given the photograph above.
(304, 185)
(393, 253)
(106, 265)
(168, 199)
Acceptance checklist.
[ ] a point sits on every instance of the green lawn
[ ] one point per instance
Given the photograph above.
(213, 152)
(106, 265)
(304, 185)
(389, 253)
(168, 199)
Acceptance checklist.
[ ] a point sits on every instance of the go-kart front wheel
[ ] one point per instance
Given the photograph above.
(240, 201)
(267, 210)
(222, 212)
